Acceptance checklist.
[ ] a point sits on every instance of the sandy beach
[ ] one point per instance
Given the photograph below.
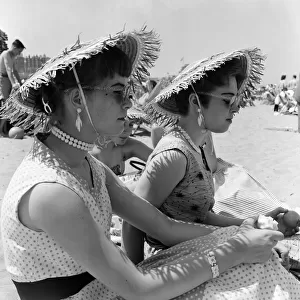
(257, 139)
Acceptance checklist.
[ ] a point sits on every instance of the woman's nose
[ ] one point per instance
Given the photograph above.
(127, 103)
(234, 108)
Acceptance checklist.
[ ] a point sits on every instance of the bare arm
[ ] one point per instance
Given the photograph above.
(135, 148)
(126, 205)
(133, 241)
(60, 213)
(16, 73)
(168, 168)
(9, 66)
(222, 221)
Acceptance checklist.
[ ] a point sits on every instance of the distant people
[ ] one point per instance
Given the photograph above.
(293, 83)
(297, 92)
(282, 88)
(9, 76)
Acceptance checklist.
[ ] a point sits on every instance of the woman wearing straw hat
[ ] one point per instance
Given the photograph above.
(56, 212)
(201, 99)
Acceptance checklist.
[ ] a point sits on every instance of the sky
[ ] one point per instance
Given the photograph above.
(189, 29)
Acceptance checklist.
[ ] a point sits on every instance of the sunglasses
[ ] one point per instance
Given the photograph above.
(121, 94)
(231, 100)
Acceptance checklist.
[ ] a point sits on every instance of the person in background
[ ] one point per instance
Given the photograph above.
(9, 76)
(120, 149)
(293, 83)
(281, 94)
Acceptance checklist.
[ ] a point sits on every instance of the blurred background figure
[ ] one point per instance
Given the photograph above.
(9, 76)
(293, 83)
(282, 88)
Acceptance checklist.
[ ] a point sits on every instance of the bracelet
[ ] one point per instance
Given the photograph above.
(213, 264)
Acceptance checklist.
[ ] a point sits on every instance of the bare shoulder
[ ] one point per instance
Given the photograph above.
(49, 202)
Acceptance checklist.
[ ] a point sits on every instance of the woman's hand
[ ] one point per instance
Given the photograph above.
(283, 253)
(288, 223)
(276, 212)
(255, 244)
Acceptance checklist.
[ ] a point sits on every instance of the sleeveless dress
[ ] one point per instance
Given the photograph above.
(32, 256)
(243, 282)
(193, 197)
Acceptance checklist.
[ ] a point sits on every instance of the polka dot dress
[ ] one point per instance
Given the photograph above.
(33, 256)
(193, 197)
(269, 281)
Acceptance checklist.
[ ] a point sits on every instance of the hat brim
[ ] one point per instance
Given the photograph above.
(252, 68)
(141, 47)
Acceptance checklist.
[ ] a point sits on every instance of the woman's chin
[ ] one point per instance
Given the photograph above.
(221, 129)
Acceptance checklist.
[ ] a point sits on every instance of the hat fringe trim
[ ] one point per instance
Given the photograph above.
(254, 72)
(148, 47)
(160, 116)
(22, 116)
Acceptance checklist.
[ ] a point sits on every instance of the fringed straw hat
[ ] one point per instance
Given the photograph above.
(141, 47)
(162, 110)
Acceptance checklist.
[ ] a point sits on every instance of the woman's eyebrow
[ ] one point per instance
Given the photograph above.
(229, 94)
(118, 84)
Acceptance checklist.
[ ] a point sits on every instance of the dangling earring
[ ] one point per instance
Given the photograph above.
(78, 122)
(200, 118)
(201, 122)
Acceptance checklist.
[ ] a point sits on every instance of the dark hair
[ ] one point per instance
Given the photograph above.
(283, 77)
(294, 76)
(212, 79)
(153, 83)
(18, 44)
(90, 72)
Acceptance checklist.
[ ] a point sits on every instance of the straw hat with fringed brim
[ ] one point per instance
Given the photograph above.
(141, 47)
(162, 110)
(137, 114)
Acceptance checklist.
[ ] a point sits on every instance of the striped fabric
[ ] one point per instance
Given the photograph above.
(240, 194)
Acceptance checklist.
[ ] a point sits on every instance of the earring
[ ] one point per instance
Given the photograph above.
(200, 121)
(78, 122)
(200, 118)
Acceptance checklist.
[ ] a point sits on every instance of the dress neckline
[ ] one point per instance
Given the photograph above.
(39, 149)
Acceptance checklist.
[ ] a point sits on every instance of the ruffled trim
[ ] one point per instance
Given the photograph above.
(254, 66)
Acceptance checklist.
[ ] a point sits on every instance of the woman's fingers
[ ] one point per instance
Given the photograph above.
(275, 212)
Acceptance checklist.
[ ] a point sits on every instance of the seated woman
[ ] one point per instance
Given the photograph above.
(184, 159)
(56, 212)
(237, 192)
(120, 149)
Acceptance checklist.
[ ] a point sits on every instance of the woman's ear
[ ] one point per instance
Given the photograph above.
(193, 102)
(75, 98)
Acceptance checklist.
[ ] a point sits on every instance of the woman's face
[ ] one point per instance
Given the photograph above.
(219, 113)
(108, 108)
(123, 137)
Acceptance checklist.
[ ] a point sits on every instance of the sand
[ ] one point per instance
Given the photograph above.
(256, 140)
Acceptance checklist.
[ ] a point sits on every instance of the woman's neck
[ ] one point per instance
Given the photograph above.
(74, 157)
(195, 133)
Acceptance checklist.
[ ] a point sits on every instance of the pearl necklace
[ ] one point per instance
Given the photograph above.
(71, 140)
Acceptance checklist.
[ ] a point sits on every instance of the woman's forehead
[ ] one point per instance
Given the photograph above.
(229, 87)
(116, 82)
